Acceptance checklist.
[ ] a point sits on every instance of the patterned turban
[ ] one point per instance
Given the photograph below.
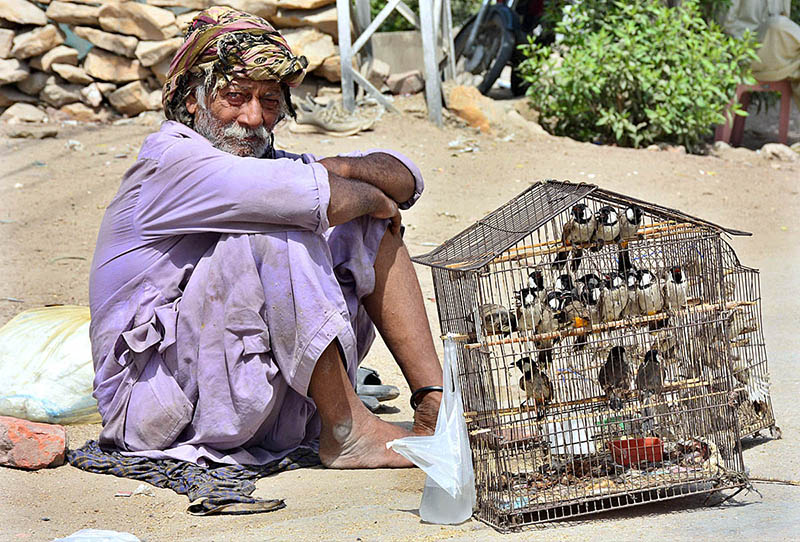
(223, 43)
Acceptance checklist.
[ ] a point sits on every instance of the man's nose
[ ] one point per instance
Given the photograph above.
(251, 114)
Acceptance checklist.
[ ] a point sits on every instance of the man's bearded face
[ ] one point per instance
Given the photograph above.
(240, 117)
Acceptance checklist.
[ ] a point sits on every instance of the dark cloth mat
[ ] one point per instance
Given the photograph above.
(218, 489)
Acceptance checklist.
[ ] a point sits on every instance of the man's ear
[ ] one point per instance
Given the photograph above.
(191, 103)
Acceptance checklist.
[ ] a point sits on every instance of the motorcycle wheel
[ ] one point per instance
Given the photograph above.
(491, 50)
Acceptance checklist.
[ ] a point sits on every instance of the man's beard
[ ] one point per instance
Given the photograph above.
(233, 138)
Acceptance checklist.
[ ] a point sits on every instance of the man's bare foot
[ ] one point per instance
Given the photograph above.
(427, 412)
(361, 443)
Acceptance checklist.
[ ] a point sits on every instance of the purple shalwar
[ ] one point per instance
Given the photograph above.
(216, 284)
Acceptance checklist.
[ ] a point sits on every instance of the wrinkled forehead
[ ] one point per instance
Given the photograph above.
(259, 88)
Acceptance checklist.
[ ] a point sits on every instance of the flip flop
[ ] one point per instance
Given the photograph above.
(368, 384)
(370, 402)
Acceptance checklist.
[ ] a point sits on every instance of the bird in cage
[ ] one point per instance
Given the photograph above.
(497, 319)
(589, 292)
(614, 377)
(587, 282)
(607, 228)
(537, 387)
(648, 293)
(574, 311)
(665, 341)
(756, 385)
(536, 281)
(631, 284)
(564, 283)
(529, 307)
(529, 310)
(741, 371)
(675, 288)
(578, 231)
(586, 311)
(590, 297)
(741, 322)
(651, 374)
(629, 222)
(712, 343)
(552, 315)
(613, 298)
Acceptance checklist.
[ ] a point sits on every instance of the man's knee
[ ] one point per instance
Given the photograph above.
(158, 410)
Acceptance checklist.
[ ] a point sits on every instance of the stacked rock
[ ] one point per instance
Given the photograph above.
(131, 44)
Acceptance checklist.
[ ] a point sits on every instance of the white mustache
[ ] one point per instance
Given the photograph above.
(237, 131)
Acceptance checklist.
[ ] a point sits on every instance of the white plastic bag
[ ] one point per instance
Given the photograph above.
(449, 494)
(98, 535)
(46, 367)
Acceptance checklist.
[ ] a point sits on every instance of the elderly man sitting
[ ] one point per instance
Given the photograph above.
(234, 286)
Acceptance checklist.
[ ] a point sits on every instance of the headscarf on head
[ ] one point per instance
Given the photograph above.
(223, 43)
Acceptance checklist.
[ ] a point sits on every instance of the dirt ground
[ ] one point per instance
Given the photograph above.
(52, 199)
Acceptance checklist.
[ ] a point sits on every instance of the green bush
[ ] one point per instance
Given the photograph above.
(636, 73)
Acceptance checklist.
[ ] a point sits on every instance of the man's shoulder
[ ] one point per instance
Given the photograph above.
(171, 135)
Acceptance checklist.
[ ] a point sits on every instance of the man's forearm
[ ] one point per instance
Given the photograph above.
(380, 170)
(351, 199)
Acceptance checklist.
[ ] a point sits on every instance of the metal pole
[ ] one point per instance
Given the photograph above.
(363, 18)
(346, 54)
(433, 84)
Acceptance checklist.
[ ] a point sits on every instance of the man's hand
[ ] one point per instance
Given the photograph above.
(351, 199)
(380, 170)
(389, 209)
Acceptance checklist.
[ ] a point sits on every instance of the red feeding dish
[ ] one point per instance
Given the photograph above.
(635, 450)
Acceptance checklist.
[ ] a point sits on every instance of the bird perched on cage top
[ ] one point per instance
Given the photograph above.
(497, 319)
(613, 298)
(648, 293)
(650, 376)
(607, 228)
(578, 231)
(675, 288)
(537, 387)
(614, 377)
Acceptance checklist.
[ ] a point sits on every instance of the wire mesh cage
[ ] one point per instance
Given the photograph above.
(607, 348)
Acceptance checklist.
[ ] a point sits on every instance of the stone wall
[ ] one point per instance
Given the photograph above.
(131, 45)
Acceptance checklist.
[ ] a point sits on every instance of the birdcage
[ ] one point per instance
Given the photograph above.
(582, 391)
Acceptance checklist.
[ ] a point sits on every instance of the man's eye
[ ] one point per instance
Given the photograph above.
(235, 97)
(269, 101)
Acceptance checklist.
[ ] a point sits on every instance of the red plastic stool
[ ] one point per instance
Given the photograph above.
(731, 131)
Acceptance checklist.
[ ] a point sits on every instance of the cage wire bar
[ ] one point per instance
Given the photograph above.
(573, 413)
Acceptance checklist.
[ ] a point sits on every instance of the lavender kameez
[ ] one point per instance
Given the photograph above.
(216, 284)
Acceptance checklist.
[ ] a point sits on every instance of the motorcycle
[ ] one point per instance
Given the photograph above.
(488, 41)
